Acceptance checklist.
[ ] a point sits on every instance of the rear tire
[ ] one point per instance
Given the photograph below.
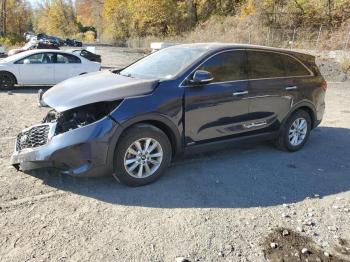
(7, 80)
(141, 155)
(295, 132)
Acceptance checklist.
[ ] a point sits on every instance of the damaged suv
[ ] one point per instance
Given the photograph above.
(132, 122)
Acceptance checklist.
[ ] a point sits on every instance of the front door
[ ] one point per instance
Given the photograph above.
(37, 69)
(220, 108)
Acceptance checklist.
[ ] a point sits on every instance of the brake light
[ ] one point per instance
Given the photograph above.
(324, 85)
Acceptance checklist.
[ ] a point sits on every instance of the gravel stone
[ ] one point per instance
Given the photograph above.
(273, 245)
(332, 228)
(285, 232)
(182, 259)
(304, 251)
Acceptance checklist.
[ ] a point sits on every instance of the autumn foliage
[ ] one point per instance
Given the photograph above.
(118, 21)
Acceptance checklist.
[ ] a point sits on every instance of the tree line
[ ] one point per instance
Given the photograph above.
(118, 20)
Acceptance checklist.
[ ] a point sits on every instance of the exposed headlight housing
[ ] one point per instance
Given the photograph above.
(80, 116)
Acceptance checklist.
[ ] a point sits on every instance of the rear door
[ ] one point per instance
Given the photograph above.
(269, 89)
(67, 66)
(218, 109)
(39, 70)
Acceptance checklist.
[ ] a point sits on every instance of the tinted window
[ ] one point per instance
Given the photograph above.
(227, 66)
(41, 58)
(293, 67)
(265, 65)
(67, 59)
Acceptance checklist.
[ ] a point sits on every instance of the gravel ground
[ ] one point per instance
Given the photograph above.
(222, 206)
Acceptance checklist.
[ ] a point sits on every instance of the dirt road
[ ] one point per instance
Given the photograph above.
(212, 207)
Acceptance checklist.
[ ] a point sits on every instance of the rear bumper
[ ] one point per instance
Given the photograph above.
(79, 152)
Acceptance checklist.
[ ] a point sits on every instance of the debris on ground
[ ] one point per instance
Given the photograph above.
(295, 247)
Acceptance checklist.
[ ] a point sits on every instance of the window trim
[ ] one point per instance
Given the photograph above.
(60, 53)
(277, 77)
(248, 79)
(39, 53)
(244, 58)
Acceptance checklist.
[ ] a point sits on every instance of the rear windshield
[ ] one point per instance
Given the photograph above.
(164, 64)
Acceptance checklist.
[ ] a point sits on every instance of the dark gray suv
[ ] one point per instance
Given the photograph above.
(132, 122)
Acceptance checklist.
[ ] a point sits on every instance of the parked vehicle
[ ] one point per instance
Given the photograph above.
(156, 46)
(55, 40)
(131, 123)
(43, 67)
(41, 36)
(88, 55)
(33, 45)
(29, 36)
(73, 42)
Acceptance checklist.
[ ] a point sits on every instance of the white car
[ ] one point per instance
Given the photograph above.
(43, 67)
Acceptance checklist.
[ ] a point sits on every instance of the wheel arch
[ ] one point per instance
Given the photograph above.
(159, 121)
(10, 73)
(307, 107)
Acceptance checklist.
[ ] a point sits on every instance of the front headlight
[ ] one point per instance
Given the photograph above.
(80, 116)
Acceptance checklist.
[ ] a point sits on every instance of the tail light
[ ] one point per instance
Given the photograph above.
(324, 85)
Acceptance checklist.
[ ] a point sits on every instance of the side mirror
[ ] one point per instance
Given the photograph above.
(26, 61)
(202, 77)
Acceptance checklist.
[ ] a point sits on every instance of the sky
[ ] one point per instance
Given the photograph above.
(34, 2)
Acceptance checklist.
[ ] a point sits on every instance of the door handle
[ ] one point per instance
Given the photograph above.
(291, 87)
(240, 93)
(263, 123)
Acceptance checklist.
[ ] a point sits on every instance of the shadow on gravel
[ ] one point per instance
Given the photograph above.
(24, 89)
(250, 175)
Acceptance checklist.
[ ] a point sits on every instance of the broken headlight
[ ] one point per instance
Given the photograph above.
(80, 116)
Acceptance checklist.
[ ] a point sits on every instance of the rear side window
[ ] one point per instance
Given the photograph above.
(265, 65)
(67, 59)
(227, 66)
(294, 67)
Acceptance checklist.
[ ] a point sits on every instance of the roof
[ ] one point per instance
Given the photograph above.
(216, 46)
(32, 52)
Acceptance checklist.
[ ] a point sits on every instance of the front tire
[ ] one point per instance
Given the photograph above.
(295, 132)
(142, 155)
(6, 80)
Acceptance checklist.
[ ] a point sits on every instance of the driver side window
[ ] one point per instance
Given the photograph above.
(227, 66)
(41, 58)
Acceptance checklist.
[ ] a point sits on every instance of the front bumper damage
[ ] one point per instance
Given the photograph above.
(78, 152)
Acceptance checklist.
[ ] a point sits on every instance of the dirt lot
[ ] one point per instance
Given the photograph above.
(224, 206)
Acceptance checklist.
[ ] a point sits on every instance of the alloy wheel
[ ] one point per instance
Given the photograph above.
(297, 132)
(143, 157)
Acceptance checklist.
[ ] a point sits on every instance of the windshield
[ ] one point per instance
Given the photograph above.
(12, 58)
(164, 64)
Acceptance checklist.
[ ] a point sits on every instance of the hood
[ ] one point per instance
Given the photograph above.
(95, 87)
